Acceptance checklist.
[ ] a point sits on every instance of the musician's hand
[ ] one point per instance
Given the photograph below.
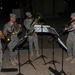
(73, 26)
(2, 35)
(19, 25)
(0, 32)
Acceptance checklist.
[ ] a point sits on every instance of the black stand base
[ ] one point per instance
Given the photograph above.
(55, 72)
(28, 62)
(62, 72)
(9, 70)
(52, 62)
(19, 74)
(41, 56)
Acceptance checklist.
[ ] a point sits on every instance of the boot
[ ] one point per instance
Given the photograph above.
(73, 61)
(69, 58)
(37, 53)
(16, 61)
(13, 62)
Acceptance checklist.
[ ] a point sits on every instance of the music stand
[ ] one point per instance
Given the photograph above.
(62, 45)
(42, 29)
(17, 47)
(55, 35)
(28, 61)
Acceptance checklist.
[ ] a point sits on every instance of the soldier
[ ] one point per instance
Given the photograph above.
(71, 39)
(10, 28)
(1, 53)
(32, 38)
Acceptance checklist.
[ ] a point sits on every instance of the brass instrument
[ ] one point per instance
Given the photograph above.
(8, 36)
(38, 20)
(15, 30)
(69, 23)
(68, 26)
(2, 35)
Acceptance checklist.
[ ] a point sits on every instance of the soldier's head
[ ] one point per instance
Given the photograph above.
(28, 14)
(12, 17)
(72, 16)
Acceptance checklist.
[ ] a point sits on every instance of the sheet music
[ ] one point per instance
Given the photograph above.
(41, 28)
(62, 43)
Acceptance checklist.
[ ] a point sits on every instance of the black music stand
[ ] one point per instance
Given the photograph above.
(55, 72)
(64, 48)
(55, 35)
(42, 29)
(17, 47)
(28, 61)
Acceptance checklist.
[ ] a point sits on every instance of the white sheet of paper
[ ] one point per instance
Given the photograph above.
(41, 28)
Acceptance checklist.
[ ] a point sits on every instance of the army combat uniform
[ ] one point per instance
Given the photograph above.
(33, 39)
(71, 42)
(13, 42)
(1, 54)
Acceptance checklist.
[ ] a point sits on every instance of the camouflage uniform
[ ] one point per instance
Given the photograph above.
(13, 42)
(1, 55)
(71, 42)
(31, 38)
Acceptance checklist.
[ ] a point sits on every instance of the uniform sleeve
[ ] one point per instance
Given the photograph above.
(5, 29)
(25, 24)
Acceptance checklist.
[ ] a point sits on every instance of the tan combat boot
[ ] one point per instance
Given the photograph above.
(69, 58)
(73, 61)
(13, 62)
(16, 61)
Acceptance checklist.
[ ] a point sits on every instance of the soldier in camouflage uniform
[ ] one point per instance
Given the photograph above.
(71, 39)
(8, 28)
(1, 52)
(32, 38)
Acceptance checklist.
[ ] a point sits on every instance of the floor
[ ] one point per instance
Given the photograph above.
(41, 66)
(48, 63)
